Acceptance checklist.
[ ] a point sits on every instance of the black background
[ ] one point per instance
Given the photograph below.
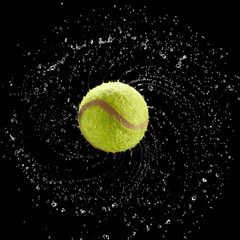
(24, 21)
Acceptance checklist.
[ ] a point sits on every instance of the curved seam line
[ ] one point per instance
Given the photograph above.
(108, 108)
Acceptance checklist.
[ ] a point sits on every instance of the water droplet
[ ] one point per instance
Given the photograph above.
(150, 87)
(147, 228)
(106, 237)
(82, 211)
(104, 209)
(194, 197)
(204, 179)
(54, 204)
(179, 64)
(114, 205)
(52, 67)
(12, 137)
(168, 221)
(120, 29)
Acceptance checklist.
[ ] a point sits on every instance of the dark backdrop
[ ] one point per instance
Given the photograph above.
(24, 21)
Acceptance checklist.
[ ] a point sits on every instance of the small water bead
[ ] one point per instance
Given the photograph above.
(106, 237)
(54, 204)
(150, 87)
(204, 180)
(194, 198)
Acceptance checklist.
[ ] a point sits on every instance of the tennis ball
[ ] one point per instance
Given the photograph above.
(113, 117)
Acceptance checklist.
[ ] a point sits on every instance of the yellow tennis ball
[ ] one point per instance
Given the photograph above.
(113, 117)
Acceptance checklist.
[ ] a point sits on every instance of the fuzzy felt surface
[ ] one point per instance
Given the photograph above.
(101, 129)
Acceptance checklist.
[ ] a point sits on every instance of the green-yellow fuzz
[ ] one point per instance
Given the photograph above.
(113, 117)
